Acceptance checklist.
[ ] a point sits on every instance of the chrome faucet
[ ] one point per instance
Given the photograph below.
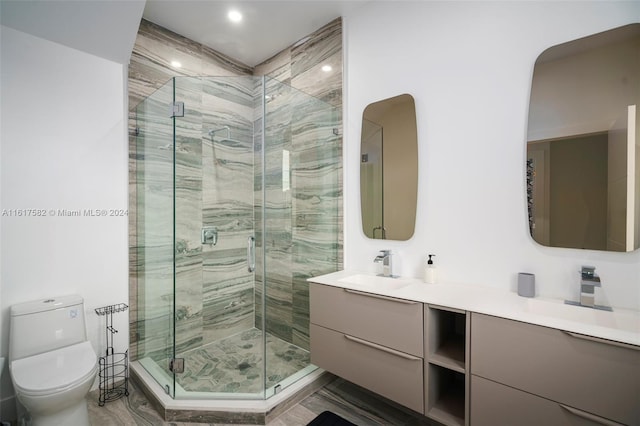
(387, 264)
(589, 280)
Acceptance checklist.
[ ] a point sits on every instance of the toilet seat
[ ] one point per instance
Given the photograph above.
(54, 371)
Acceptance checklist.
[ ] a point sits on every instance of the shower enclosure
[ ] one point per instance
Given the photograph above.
(238, 193)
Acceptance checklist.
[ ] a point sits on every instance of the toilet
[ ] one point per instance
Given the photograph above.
(51, 362)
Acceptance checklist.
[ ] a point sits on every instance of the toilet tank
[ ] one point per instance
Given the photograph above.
(45, 325)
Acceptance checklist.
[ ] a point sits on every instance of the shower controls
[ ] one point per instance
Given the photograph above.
(209, 235)
(251, 254)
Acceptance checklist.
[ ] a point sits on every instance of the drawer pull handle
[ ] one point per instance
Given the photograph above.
(604, 341)
(378, 296)
(382, 348)
(589, 416)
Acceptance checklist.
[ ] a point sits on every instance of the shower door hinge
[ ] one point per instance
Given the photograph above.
(176, 109)
(176, 365)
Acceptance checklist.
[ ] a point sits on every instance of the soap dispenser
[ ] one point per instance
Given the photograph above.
(430, 272)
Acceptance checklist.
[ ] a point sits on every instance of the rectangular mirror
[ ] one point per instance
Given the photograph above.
(389, 168)
(583, 143)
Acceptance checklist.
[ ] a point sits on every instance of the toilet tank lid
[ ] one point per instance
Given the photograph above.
(47, 304)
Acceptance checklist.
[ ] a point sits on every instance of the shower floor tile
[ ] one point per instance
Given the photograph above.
(234, 364)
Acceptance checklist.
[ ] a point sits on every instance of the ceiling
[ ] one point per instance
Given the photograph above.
(267, 26)
(102, 28)
(108, 28)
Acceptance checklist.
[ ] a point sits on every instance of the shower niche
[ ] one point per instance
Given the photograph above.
(237, 199)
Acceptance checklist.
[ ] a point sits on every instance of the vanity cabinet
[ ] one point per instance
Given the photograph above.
(525, 371)
(371, 340)
(446, 365)
(495, 404)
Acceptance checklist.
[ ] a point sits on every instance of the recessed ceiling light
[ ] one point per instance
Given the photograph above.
(234, 16)
(326, 68)
(176, 64)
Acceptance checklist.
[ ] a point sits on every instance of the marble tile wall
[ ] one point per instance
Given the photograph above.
(311, 228)
(150, 183)
(216, 186)
(228, 205)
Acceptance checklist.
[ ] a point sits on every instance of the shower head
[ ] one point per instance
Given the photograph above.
(212, 132)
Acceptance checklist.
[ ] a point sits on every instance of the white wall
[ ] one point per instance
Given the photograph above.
(63, 146)
(469, 66)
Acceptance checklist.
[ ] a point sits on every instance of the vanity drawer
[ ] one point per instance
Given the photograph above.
(593, 375)
(395, 323)
(493, 404)
(390, 373)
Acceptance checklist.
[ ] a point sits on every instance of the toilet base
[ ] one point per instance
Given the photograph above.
(77, 415)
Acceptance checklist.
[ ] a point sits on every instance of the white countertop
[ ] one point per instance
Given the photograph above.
(621, 325)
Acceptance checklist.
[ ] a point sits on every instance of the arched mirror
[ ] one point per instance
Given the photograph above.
(583, 143)
(389, 168)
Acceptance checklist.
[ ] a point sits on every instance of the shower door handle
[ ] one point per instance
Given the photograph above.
(251, 254)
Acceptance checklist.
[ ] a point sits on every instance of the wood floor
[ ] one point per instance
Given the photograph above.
(341, 397)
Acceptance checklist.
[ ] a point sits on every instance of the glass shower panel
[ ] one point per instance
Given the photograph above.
(215, 333)
(154, 233)
(188, 223)
(302, 159)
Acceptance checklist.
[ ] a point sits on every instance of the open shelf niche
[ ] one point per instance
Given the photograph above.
(446, 365)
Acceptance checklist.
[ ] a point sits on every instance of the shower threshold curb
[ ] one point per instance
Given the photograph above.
(236, 411)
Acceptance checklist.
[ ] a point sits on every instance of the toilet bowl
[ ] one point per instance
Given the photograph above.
(52, 365)
(52, 386)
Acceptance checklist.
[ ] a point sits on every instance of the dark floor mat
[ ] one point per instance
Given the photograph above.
(327, 418)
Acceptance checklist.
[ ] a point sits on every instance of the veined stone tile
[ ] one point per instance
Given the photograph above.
(235, 364)
(301, 318)
(215, 63)
(161, 46)
(325, 85)
(228, 294)
(278, 67)
(226, 317)
(145, 79)
(319, 46)
(237, 90)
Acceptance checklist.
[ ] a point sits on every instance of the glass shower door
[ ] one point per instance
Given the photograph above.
(215, 239)
(154, 232)
(301, 195)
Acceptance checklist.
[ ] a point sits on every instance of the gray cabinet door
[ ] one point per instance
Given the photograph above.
(594, 376)
(493, 404)
(390, 373)
(394, 323)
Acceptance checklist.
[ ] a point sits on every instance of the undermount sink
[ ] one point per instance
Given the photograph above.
(374, 282)
(618, 319)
